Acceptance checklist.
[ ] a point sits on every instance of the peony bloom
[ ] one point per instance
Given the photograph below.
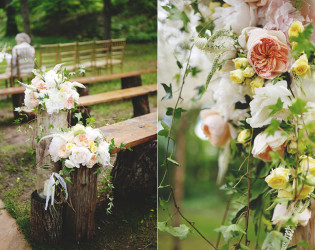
(268, 52)
(278, 15)
(215, 127)
(81, 140)
(80, 155)
(236, 16)
(278, 178)
(282, 211)
(92, 133)
(264, 144)
(263, 98)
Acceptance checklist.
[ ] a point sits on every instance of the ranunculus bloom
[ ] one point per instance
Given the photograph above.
(264, 144)
(281, 211)
(215, 127)
(268, 52)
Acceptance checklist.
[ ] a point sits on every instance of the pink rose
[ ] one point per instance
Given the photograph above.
(39, 83)
(215, 127)
(70, 102)
(268, 52)
(81, 140)
(264, 144)
(92, 161)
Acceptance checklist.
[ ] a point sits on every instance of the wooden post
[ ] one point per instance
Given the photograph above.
(140, 103)
(306, 233)
(79, 220)
(46, 225)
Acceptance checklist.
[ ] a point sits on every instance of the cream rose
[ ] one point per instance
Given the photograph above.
(264, 144)
(80, 155)
(215, 127)
(278, 178)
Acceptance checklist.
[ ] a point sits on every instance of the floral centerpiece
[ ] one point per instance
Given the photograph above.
(51, 91)
(261, 75)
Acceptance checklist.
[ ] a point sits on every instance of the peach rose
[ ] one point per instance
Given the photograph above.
(92, 161)
(70, 102)
(81, 140)
(264, 144)
(268, 52)
(215, 127)
(39, 83)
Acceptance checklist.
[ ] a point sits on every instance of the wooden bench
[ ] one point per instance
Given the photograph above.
(12, 91)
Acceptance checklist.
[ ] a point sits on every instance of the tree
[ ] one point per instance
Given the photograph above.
(107, 19)
(26, 16)
(11, 29)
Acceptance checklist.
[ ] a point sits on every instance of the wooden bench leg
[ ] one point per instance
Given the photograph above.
(135, 172)
(18, 100)
(140, 103)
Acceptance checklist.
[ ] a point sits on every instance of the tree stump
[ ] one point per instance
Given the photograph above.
(306, 233)
(135, 171)
(79, 221)
(46, 124)
(140, 103)
(46, 226)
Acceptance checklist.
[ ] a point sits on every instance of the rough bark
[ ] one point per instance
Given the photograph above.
(11, 28)
(140, 103)
(26, 17)
(79, 220)
(306, 233)
(46, 226)
(107, 19)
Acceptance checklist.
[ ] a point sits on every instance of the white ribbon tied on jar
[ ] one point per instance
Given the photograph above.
(51, 188)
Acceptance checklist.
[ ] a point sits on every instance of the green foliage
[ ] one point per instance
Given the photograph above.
(181, 232)
(176, 14)
(304, 43)
(298, 107)
(230, 232)
(168, 91)
(274, 239)
(177, 114)
(276, 107)
(273, 127)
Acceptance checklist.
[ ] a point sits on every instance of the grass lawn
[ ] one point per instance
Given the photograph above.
(126, 228)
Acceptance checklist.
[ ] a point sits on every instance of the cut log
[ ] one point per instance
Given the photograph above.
(140, 103)
(46, 225)
(79, 220)
(306, 233)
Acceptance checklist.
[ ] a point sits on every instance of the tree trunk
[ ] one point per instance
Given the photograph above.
(140, 103)
(306, 233)
(11, 29)
(79, 221)
(46, 225)
(26, 17)
(107, 19)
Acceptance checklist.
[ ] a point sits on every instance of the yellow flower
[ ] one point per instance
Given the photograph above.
(295, 28)
(301, 67)
(93, 149)
(69, 146)
(294, 44)
(213, 5)
(91, 143)
(308, 164)
(62, 90)
(292, 147)
(244, 136)
(306, 190)
(278, 178)
(237, 76)
(257, 82)
(240, 63)
(248, 72)
(286, 193)
(225, 5)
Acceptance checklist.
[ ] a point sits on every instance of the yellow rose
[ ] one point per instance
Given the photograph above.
(278, 178)
(240, 63)
(257, 82)
(248, 72)
(295, 28)
(237, 76)
(91, 143)
(308, 164)
(69, 146)
(244, 136)
(225, 5)
(286, 193)
(305, 192)
(93, 149)
(301, 67)
(213, 5)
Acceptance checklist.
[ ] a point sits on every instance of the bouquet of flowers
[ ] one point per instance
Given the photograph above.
(80, 146)
(262, 54)
(51, 91)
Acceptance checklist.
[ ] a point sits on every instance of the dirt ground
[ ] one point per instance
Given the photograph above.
(132, 224)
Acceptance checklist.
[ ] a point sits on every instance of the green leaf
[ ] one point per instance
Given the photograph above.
(274, 240)
(273, 127)
(276, 107)
(244, 247)
(177, 114)
(173, 161)
(168, 90)
(176, 14)
(163, 203)
(181, 232)
(78, 116)
(79, 132)
(90, 120)
(179, 64)
(303, 243)
(164, 132)
(230, 232)
(68, 180)
(303, 42)
(298, 106)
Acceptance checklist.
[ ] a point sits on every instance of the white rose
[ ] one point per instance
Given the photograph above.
(78, 127)
(69, 164)
(52, 78)
(237, 16)
(54, 147)
(92, 134)
(80, 155)
(30, 99)
(103, 155)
